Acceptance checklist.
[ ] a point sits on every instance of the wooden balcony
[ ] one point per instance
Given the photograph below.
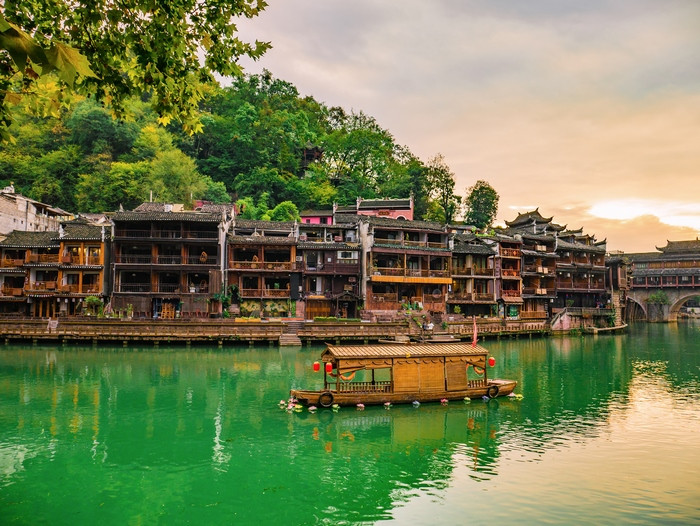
(201, 234)
(91, 288)
(536, 291)
(264, 293)
(127, 259)
(42, 286)
(42, 258)
(269, 266)
(11, 263)
(410, 272)
(202, 259)
(136, 233)
(510, 273)
(511, 252)
(134, 287)
(12, 291)
(333, 268)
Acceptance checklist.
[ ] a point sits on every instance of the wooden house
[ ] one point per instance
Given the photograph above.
(329, 256)
(167, 262)
(262, 265)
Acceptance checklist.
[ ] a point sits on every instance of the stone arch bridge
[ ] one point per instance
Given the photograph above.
(660, 313)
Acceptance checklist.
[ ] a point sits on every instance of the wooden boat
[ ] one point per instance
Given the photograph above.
(397, 373)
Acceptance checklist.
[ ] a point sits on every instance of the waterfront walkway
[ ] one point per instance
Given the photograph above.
(224, 331)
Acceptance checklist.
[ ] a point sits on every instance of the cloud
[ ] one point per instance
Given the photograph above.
(562, 103)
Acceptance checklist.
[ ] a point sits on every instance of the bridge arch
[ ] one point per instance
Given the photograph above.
(634, 307)
(678, 303)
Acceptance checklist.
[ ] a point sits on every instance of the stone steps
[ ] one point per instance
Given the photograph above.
(289, 340)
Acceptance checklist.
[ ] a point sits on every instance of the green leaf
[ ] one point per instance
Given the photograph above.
(68, 62)
(20, 46)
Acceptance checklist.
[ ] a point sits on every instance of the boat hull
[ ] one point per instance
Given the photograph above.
(329, 397)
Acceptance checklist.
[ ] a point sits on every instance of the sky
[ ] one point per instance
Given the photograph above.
(588, 111)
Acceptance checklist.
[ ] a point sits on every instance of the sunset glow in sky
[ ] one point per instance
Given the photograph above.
(588, 110)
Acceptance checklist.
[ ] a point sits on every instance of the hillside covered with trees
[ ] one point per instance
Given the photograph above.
(261, 144)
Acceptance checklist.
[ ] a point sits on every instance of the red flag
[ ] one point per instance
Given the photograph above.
(474, 332)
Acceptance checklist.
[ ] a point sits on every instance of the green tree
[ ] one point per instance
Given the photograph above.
(442, 186)
(173, 177)
(285, 211)
(93, 129)
(481, 205)
(248, 209)
(107, 188)
(215, 191)
(113, 50)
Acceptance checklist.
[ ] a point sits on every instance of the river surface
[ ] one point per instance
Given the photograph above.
(607, 432)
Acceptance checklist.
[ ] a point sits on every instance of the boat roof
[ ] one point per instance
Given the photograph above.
(390, 350)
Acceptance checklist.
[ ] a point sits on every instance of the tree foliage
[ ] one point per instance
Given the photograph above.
(481, 205)
(114, 50)
(262, 144)
(441, 182)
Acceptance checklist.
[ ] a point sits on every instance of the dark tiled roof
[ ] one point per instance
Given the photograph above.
(404, 224)
(643, 256)
(673, 247)
(545, 238)
(537, 253)
(528, 218)
(216, 209)
(21, 239)
(346, 219)
(471, 244)
(262, 240)
(310, 245)
(151, 207)
(579, 247)
(314, 213)
(385, 203)
(650, 272)
(83, 231)
(253, 224)
(200, 217)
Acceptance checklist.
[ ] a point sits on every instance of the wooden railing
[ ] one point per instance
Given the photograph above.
(262, 265)
(533, 315)
(133, 259)
(335, 268)
(410, 244)
(42, 285)
(42, 258)
(510, 293)
(134, 287)
(202, 260)
(264, 293)
(77, 289)
(410, 272)
(10, 263)
(511, 252)
(364, 387)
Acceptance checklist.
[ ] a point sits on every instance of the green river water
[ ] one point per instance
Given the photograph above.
(607, 432)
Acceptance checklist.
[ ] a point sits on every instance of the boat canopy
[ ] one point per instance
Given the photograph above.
(387, 351)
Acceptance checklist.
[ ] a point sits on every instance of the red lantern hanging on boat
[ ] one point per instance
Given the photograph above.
(492, 361)
(329, 367)
(317, 367)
